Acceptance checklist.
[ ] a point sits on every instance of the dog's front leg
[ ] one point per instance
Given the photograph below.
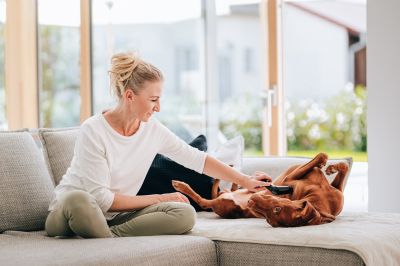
(341, 169)
(301, 171)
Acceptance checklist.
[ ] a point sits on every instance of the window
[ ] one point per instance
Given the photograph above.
(3, 117)
(324, 77)
(241, 74)
(59, 46)
(170, 38)
(324, 44)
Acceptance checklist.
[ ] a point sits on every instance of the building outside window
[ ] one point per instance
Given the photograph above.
(241, 76)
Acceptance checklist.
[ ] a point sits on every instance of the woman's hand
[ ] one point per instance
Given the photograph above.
(257, 182)
(174, 197)
(261, 176)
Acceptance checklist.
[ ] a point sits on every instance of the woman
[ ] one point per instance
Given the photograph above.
(114, 151)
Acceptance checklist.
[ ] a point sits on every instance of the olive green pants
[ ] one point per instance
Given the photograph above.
(77, 213)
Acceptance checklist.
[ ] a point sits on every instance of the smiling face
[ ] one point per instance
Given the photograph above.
(147, 101)
(282, 211)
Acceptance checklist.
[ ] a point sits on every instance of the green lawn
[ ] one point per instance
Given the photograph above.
(357, 156)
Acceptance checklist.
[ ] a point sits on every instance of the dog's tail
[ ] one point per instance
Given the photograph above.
(188, 191)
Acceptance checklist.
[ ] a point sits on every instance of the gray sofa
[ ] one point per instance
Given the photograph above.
(29, 173)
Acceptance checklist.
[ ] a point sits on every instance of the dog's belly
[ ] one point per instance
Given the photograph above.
(321, 195)
(240, 197)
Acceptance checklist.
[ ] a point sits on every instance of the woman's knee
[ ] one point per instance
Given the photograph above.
(186, 217)
(77, 200)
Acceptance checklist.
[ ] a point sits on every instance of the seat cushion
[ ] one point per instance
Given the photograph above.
(25, 184)
(58, 149)
(357, 232)
(37, 249)
(238, 253)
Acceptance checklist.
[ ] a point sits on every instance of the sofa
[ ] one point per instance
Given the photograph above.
(33, 162)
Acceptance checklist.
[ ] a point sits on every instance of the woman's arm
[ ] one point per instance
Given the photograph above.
(192, 158)
(218, 169)
(123, 203)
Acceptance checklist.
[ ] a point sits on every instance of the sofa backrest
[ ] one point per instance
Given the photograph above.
(58, 149)
(26, 187)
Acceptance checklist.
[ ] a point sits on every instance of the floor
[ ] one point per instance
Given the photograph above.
(356, 191)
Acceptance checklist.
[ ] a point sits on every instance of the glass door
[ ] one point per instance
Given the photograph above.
(324, 45)
(324, 84)
(168, 34)
(241, 70)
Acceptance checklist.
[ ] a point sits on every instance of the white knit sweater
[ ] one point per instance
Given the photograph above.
(105, 162)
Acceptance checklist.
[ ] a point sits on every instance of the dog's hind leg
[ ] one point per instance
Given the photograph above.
(187, 190)
(302, 170)
(341, 169)
(234, 187)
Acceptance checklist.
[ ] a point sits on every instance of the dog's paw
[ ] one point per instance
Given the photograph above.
(342, 167)
(179, 185)
(322, 159)
(334, 168)
(331, 169)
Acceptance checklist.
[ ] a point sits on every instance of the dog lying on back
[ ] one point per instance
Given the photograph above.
(313, 201)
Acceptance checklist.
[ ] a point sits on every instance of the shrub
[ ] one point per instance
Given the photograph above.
(337, 123)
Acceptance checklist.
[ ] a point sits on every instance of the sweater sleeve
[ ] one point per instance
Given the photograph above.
(179, 151)
(92, 168)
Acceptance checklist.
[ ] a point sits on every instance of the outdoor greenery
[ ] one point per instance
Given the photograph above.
(59, 76)
(336, 125)
(242, 116)
(339, 123)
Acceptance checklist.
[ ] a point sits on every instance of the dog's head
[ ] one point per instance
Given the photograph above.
(284, 212)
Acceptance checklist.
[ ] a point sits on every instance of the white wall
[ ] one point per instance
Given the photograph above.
(383, 62)
(316, 56)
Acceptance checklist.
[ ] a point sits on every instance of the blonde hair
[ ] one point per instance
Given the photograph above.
(128, 71)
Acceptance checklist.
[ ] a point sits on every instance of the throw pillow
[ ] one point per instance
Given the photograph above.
(58, 149)
(25, 184)
(163, 170)
(231, 153)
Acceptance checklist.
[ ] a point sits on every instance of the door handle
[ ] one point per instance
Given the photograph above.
(269, 99)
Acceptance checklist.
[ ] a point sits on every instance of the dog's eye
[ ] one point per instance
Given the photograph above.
(277, 210)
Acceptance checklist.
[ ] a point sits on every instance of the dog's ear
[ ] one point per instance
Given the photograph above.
(310, 216)
(326, 217)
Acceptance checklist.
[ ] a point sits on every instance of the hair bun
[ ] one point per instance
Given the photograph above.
(122, 67)
(127, 69)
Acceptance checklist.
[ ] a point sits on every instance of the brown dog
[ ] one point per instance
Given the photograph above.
(313, 201)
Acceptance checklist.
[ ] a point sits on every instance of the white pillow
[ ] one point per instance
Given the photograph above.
(231, 153)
